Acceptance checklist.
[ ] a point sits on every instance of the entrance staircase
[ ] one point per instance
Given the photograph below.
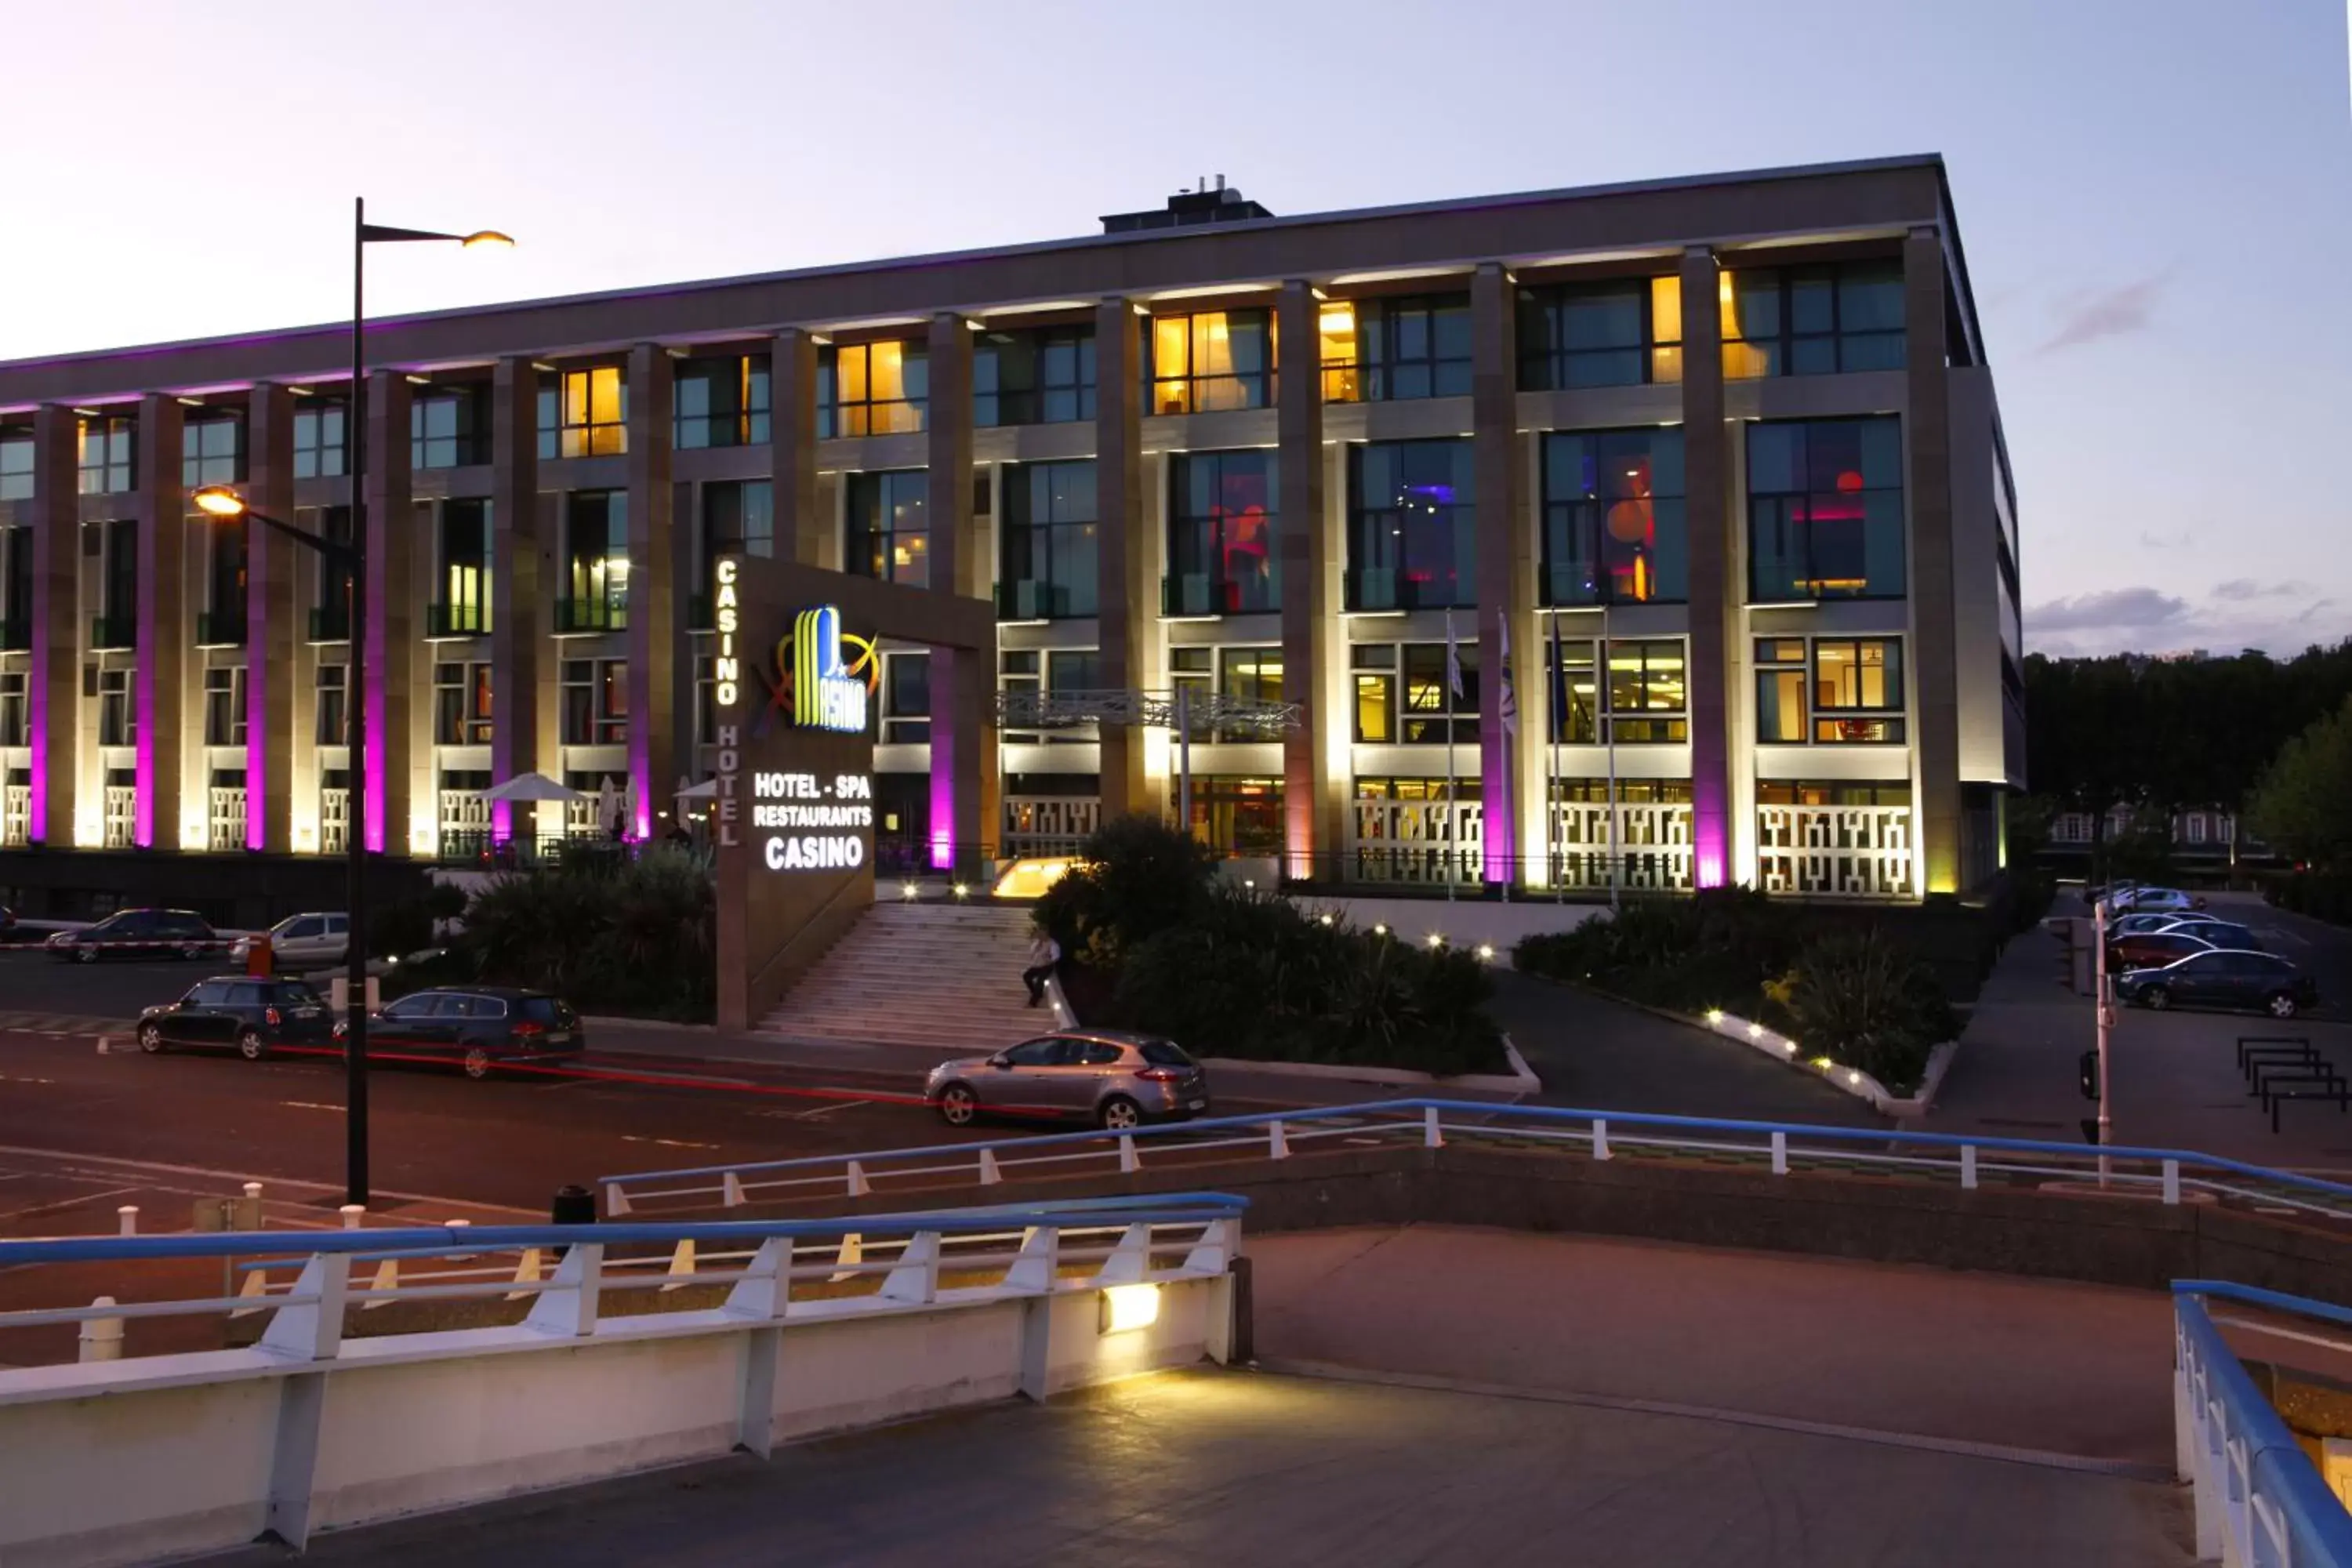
(947, 975)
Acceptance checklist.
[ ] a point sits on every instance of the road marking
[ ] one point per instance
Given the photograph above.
(56, 1204)
(69, 1155)
(310, 1105)
(667, 1142)
(6, 1078)
(814, 1111)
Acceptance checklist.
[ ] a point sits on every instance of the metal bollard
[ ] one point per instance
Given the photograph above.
(354, 1215)
(101, 1338)
(126, 1219)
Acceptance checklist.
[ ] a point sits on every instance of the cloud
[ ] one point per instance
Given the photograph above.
(2180, 540)
(2238, 590)
(2117, 609)
(2093, 314)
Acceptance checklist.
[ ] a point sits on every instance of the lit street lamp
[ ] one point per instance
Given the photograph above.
(219, 500)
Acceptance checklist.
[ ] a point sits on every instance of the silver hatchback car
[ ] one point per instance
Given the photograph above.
(1114, 1079)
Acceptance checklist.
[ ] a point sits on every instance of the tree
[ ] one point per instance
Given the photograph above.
(2304, 804)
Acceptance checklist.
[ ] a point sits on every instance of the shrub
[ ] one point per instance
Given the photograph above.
(632, 936)
(1138, 877)
(1856, 998)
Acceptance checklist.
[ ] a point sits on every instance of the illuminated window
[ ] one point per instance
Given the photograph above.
(1613, 526)
(1780, 691)
(1042, 377)
(321, 449)
(1376, 350)
(1412, 525)
(464, 606)
(722, 402)
(1624, 333)
(872, 389)
(1575, 694)
(1647, 694)
(1825, 510)
(108, 464)
(1222, 557)
(447, 428)
(888, 535)
(585, 414)
(16, 463)
(1254, 674)
(1812, 321)
(1856, 683)
(461, 704)
(1049, 532)
(1406, 693)
(594, 587)
(1209, 362)
(212, 450)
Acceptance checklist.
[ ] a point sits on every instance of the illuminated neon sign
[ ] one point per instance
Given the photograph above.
(826, 696)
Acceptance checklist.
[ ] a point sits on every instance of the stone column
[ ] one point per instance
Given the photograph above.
(1501, 579)
(161, 504)
(963, 737)
(53, 685)
(518, 613)
(658, 721)
(1927, 433)
(392, 640)
(791, 436)
(1713, 597)
(273, 563)
(1124, 555)
(1307, 625)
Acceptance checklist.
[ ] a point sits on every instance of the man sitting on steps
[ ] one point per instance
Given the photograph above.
(1044, 952)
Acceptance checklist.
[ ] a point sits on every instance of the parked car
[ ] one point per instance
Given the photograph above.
(478, 1026)
(138, 933)
(298, 941)
(2220, 933)
(2147, 950)
(240, 1011)
(1112, 1079)
(2162, 901)
(2134, 924)
(2222, 978)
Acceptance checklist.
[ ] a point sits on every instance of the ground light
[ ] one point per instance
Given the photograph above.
(1128, 1306)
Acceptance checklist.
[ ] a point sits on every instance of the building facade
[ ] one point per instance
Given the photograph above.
(1683, 503)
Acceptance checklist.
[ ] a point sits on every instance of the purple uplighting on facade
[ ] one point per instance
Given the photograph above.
(37, 822)
(1708, 843)
(501, 821)
(943, 802)
(143, 817)
(371, 807)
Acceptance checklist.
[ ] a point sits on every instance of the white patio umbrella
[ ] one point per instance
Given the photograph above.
(531, 787)
(608, 804)
(707, 790)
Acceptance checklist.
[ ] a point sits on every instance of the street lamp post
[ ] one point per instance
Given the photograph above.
(219, 500)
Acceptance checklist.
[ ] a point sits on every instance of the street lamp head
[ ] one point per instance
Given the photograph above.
(487, 239)
(219, 500)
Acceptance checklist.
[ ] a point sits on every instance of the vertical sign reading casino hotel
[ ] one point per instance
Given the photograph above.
(794, 764)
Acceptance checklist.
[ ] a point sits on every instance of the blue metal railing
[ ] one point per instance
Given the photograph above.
(1429, 1116)
(2252, 1481)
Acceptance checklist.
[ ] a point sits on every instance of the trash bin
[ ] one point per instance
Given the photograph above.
(259, 960)
(572, 1206)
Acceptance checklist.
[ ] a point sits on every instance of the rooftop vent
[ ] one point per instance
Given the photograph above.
(1220, 204)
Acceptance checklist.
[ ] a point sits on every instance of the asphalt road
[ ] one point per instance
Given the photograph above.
(32, 982)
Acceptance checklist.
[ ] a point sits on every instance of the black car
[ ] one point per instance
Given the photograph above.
(138, 933)
(2223, 979)
(239, 1011)
(478, 1026)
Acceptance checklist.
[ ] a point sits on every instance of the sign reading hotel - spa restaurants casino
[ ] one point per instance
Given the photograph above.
(812, 820)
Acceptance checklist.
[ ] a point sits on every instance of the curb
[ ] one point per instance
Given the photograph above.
(1521, 1079)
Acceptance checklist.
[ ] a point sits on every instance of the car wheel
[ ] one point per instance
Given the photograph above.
(1119, 1114)
(2283, 1005)
(85, 955)
(477, 1063)
(249, 1046)
(2157, 998)
(959, 1106)
(151, 1038)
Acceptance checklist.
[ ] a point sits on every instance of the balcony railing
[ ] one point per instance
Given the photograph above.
(575, 617)
(220, 628)
(113, 631)
(330, 626)
(1207, 594)
(1035, 599)
(16, 636)
(451, 620)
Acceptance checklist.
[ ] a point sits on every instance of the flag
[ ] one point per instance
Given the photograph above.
(1453, 658)
(1510, 691)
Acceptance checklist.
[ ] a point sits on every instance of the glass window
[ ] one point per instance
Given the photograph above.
(1213, 360)
(1614, 525)
(906, 698)
(1412, 525)
(222, 620)
(212, 450)
(12, 707)
(594, 588)
(225, 706)
(1385, 349)
(1073, 669)
(1814, 320)
(595, 694)
(1252, 674)
(1646, 681)
(1049, 569)
(738, 515)
(329, 686)
(1223, 558)
(872, 389)
(1042, 377)
(584, 413)
(1435, 702)
(461, 704)
(888, 534)
(1623, 332)
(447, 428)
(1575, 697)
(1780, 691)
(320, 449)
(1825, 510)
(108, 454)
(722, 402)
(16, 463)
(465, 598)
(1856, 682)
